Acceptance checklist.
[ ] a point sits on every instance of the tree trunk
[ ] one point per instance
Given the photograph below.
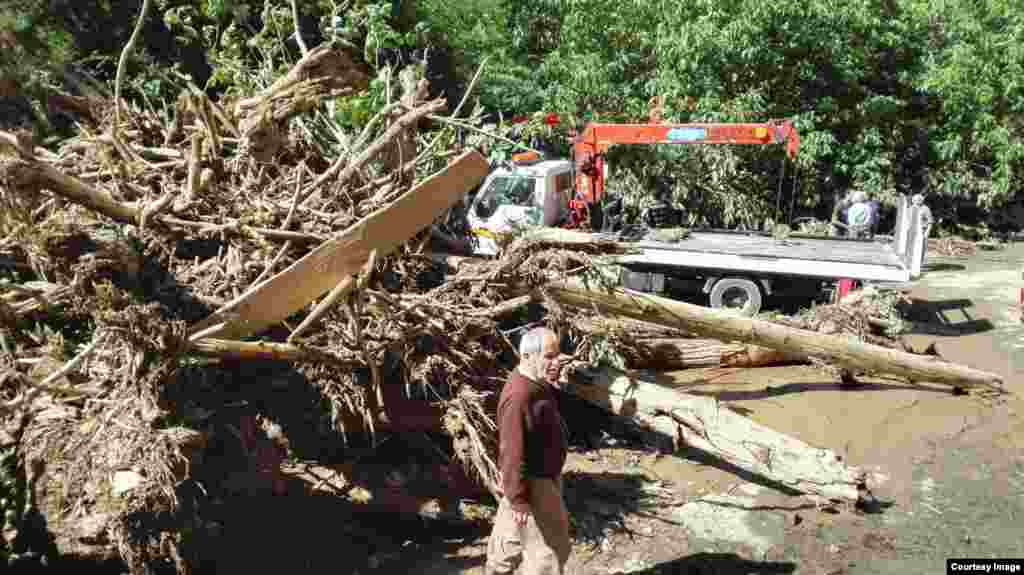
(707, 425)
(689, 353)
(635, 329)
(841, 351)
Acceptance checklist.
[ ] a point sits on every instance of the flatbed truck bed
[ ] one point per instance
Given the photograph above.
(739, 269)
(805, 256)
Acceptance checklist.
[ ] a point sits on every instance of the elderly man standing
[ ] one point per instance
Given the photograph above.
(532, 525)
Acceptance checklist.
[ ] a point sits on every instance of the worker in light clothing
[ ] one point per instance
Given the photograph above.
(926, 220)
(532, 524)
(859, 216)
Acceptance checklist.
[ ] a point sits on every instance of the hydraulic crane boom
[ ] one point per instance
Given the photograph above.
(591, 144)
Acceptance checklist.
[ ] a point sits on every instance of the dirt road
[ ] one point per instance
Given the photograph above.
(950, 468)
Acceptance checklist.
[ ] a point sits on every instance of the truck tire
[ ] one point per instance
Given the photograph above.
(736, 294)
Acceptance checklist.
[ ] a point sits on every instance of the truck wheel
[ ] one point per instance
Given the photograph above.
(736, 294)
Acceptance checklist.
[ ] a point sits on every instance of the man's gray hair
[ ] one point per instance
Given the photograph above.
(532, 341)
(859, 196)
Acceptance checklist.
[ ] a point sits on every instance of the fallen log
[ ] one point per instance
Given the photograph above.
(690, 353)
(266, 351)
(322, 269)
(635, 329)
(844, 352)
(706, 424)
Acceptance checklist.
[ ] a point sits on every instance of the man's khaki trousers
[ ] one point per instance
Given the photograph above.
(542, 546)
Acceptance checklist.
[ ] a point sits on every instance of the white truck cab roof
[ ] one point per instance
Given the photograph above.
(538, 169)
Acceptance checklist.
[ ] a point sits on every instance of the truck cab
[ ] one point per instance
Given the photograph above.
(526, 192)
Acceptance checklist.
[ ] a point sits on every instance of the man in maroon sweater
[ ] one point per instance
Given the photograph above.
(532, 525)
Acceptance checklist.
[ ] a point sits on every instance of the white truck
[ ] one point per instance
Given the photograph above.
(733, 270)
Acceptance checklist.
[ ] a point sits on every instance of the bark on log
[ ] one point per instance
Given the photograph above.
(31, 175)
(289, 291)
(635, 329)
(690, 353)
(706, 424)
(841, 351)
(266, 351)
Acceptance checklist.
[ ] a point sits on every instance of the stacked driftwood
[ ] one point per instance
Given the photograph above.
(139, 260)
(951, 247)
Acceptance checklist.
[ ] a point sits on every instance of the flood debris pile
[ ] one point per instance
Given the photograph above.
(867, 314)
(952, 247)
(119, 245)
(139, 261)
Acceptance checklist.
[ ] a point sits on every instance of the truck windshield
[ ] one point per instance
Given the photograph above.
(504, 191)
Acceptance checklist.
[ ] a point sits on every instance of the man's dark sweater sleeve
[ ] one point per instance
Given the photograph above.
(512, 450)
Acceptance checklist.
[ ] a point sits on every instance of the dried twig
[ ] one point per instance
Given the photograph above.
(341, 290)
(473, 128)
(47, 384)
(298, 30)
(284, 227)
(120, 76)
(377, 147)
(192, 182)
(455, 113)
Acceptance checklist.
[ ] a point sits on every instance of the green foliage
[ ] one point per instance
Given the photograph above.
(32, 51)
(865, 83)
(975, 63)
(889, 96)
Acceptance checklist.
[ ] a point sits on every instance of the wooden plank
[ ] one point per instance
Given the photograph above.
(707, 425)
(292, 289)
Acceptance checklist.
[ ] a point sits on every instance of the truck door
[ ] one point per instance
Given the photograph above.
(557, 193)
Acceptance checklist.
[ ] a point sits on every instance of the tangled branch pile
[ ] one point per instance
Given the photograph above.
(951, 247)
(117, 244)
(867, 314)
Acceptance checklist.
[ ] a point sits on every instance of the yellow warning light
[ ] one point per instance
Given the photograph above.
(760, 132)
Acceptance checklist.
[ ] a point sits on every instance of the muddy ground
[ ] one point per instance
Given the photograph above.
(952, 465)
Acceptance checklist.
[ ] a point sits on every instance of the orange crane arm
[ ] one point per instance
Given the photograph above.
(591, 144)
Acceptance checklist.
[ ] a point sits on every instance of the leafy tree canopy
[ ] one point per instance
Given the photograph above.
(890, 96)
